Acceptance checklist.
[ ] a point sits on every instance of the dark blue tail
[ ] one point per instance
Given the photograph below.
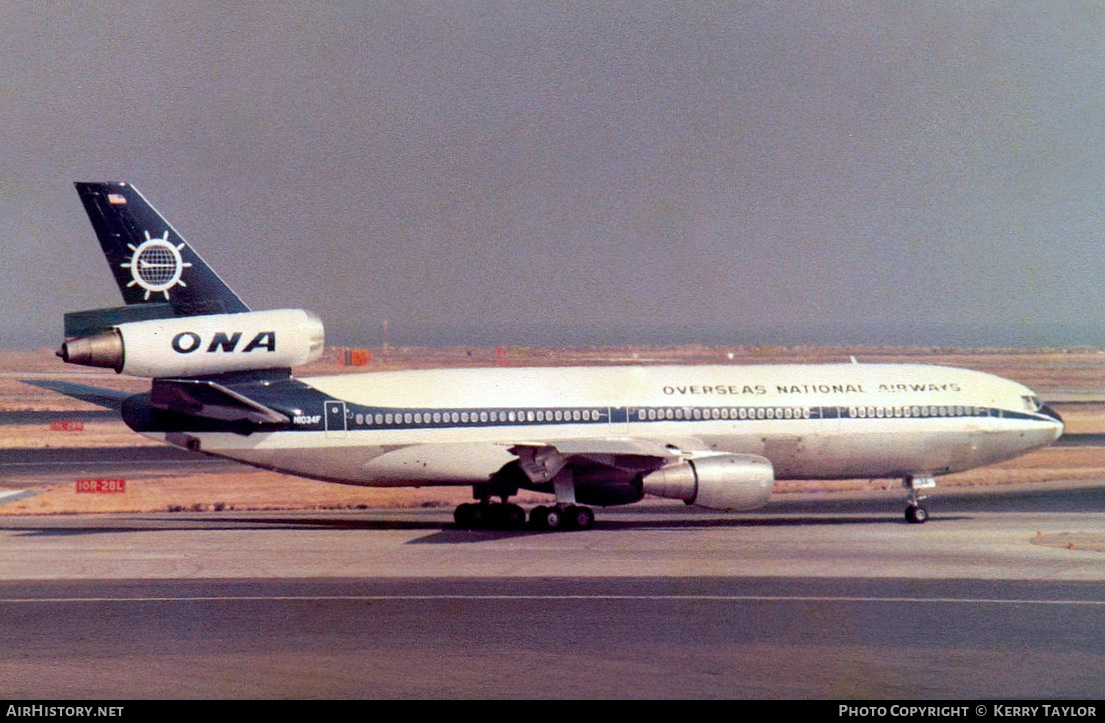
(152, 263)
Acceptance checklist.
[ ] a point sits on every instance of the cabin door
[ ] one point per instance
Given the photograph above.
(335, 417)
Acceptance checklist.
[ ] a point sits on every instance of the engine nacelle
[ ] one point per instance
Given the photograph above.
(200, 345)
(720, 482)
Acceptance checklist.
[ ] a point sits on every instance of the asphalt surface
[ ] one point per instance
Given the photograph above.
(25, 466)
(623, 637)
(1000, 595)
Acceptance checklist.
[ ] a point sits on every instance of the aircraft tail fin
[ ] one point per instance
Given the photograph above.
(152, 263)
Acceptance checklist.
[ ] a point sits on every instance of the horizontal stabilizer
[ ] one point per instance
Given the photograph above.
(101, 397)
(210, 400)
(97, 321)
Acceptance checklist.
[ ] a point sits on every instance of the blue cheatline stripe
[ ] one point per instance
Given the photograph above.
(361, 417)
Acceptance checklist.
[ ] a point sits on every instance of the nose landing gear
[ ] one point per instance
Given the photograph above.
(915, 512)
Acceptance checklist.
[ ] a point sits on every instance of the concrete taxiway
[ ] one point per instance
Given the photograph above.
(1001, 594)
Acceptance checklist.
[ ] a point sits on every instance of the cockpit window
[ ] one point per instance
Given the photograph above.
(1031, 402)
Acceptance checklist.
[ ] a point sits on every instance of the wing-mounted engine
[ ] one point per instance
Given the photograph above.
(602, 472)
(618, 472)
(197, 345)
(719, 482)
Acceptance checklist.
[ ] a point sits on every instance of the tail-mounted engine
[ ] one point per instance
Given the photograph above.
(198, 345)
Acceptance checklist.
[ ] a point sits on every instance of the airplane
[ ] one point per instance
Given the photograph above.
(714, 436)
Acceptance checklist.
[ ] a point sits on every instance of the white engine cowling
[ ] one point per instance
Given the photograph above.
(719, 482)
(201, 345)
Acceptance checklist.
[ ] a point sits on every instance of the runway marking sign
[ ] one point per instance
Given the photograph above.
(66, 426)
(101, 485)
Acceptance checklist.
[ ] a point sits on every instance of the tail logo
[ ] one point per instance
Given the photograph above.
(156, 265)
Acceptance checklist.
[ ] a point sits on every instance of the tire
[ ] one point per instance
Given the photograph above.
(514, 517)
(537, 517)
(916, 514)
(583, 518)
(554, 519)
(462, 515)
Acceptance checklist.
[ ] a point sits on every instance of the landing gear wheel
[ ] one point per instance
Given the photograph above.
(537, 517)
(916, 514)
(554, 518)
(514, 517)
(580, 518)
(484, 516)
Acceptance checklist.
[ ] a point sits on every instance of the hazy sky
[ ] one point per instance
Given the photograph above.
(567, 173)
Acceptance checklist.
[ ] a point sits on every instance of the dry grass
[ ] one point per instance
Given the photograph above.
(91, 434)
(246, 490)
(1083, 418)
(1053, 464)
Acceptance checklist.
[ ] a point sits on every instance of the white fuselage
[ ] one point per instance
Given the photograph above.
(823, 421)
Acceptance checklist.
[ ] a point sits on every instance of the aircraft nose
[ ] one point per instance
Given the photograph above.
(1048, 411)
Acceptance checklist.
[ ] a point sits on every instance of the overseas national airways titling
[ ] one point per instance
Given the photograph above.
(733, 389)
(716, 436)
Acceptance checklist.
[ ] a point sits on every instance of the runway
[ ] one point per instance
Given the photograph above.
(1000, 595)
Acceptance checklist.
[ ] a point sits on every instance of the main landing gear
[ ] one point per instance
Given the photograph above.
(915, 512)
(567, 517)
(496, 516)
(485, 515)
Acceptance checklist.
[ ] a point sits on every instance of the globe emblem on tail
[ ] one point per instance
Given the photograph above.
(156, 265)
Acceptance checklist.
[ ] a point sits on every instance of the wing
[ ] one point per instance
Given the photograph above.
(599, 470)
(194, 398)
(542, 462)
(616, 471)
